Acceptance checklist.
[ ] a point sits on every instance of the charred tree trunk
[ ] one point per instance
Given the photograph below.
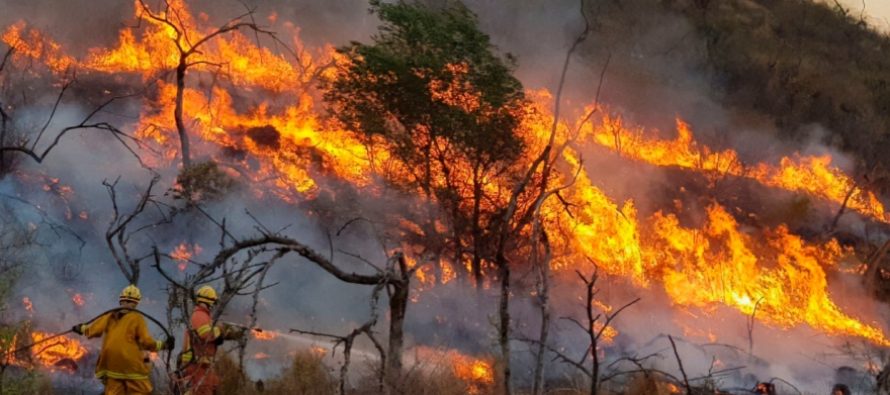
(477, 229)
(398, 305)
(180, 124)
(504, 320)
(593, 336)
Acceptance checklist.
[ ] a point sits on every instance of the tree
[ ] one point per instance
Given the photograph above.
(188, 47)
(432, 86)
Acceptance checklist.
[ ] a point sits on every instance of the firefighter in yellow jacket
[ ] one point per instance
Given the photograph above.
(121, 365)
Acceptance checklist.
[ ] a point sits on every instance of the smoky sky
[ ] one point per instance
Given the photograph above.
(651, 61)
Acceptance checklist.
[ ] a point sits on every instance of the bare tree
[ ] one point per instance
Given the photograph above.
(347, 341)
(188, 47)
(118, 234)
(239, 263)
(511, 224)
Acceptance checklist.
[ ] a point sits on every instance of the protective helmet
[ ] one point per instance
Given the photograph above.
(206, 294)
(131, 294)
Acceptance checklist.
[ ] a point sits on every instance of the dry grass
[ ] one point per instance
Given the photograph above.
(308, 375)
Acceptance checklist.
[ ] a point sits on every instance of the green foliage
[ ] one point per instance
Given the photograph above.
(429, 74)
(202, 181)
(16, 241)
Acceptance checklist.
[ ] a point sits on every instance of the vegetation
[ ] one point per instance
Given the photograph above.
(433, 88)
(802, 62)
(16, 239)
(202, 181)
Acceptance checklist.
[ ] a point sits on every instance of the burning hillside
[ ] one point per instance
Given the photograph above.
(466, 178)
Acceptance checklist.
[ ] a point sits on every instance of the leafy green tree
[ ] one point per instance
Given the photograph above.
(432, 86)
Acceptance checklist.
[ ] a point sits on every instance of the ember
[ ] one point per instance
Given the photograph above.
(653, 250)
(259, 119)
(77, 299)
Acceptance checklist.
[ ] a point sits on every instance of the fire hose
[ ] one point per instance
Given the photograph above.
(60, 334)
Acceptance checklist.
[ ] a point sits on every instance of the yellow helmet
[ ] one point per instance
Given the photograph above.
(131, 294)
(206, 294)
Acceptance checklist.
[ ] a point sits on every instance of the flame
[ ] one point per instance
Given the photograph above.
(183, 254)
(54, 352)
(264, 335)
(477, 373)
(812, 175)
(35, 46)
(673, 388)
(261, 355)
(285, 148)
(318, 351)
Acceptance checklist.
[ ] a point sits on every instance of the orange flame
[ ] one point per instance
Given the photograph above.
(477, 373)
(812, 175)
(715, 262)
(34, 45)
(183, 253)
(264, 335)
(54, 353)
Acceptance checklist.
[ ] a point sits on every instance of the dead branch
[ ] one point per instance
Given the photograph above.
(348, 340)
(505, 228)
(750, 327)
(86, 124)
(840, 211)
(240, 267)
(680, 363)
(116, 235)
(181, 37)
(6, 57)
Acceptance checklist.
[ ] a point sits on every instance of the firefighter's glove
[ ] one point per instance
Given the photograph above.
(78, 329)
(170, 343)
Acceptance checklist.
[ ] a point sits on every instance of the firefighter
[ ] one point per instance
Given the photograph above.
(840, 389)
(201, 342)
(121, 366)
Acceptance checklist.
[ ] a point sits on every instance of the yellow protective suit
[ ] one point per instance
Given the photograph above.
(121, 367)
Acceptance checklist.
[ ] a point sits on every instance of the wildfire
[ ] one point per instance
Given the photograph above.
(264, 335)
(56, 352)
(714, 262)
(260, 356)
(812, 175)
(477, 373)
(34, 45)
(183, 253)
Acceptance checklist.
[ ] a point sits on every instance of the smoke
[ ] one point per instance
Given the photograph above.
(653, 66)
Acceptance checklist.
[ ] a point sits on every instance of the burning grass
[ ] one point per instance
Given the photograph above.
(289, 148)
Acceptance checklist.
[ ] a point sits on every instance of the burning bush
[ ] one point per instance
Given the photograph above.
(202, 181)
